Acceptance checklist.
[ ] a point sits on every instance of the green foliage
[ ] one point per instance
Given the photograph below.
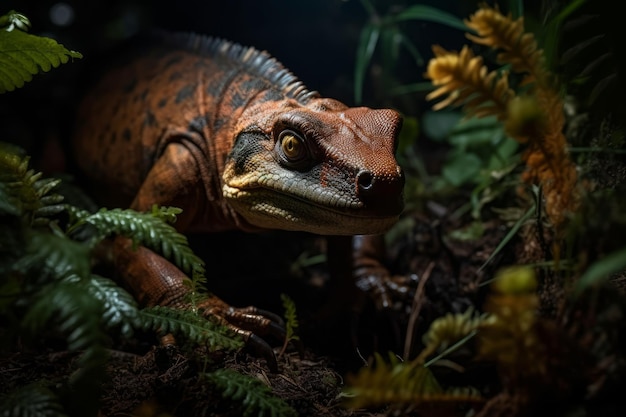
(23, 55)
(48, 286)
(400, 384)
(189, 325)
(256, 398)
(120, 308)
(291, 321)
(385, 33)
(74, 313)
(147, 229)
(24, 193)
(479, 147)
(31, 400)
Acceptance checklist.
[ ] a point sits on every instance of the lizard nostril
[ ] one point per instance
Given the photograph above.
(380, 194)
(365, 180)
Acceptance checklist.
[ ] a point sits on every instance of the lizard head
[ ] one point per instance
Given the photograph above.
(319, 167)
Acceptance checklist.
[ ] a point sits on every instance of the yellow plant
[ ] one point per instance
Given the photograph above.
(534, 117)
(511, 339)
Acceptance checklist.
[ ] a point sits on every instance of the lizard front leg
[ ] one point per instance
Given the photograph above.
(175, 180)
(373, 277)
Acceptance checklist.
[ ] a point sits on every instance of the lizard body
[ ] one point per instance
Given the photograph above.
(230, 136)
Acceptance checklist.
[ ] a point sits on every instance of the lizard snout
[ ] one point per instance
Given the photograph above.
(381, 194)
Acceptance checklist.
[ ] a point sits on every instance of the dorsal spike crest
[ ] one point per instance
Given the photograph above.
(256, 62)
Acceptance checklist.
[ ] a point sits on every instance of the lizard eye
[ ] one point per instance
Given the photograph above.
(292, 148)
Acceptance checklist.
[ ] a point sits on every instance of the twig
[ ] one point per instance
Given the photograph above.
(416, 308)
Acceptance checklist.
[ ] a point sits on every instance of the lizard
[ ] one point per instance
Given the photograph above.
(234, 139)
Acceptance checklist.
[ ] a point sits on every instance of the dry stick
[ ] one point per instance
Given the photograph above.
(416, 308)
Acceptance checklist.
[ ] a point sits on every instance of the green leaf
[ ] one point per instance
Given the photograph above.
(189, 325)
(56, 256)
(431, 14)
(148, 230)
(255, 397)
(476, 132)
(438, 125)
(461, 168)
(365, 50)
(23, 55)
(601, 271)
(120, 308)
(291, 318)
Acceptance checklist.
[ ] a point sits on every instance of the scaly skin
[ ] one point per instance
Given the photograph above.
(232, 138)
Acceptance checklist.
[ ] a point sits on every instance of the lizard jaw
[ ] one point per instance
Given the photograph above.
(269, 209)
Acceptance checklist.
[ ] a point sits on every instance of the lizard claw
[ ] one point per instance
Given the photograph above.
(250, 323)
(386, 290)
(263, 349)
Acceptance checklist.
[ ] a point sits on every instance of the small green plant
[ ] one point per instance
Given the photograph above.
(291, 321)
(23, 55)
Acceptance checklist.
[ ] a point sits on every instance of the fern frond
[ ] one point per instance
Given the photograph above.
(75, 313)
(291, 318)
(400, 384)
(256, 398)
(28, 193)
(120, 308)
(148, 230)
(23, 55)
(449, 329)
(502, 32)
(32, 400)
(291, 322)
(466, 81)
(50, 256)
(190, 326)
(73, 310)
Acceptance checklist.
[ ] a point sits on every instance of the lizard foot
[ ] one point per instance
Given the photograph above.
(250, 323)
(387, 291)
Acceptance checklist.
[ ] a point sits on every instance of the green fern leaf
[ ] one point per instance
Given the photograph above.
(74, 311)
(291, 318)
(25, 190)
(52, 256)
(31, 400)
(189, 325)
(120, 308)
(256, 397)
(23, 55)
(148, 230)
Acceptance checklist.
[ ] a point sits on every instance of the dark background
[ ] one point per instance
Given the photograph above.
(315, 39)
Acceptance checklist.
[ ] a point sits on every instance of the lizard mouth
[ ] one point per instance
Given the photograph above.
(272, 209)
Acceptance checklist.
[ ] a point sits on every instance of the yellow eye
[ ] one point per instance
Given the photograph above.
(292, 146)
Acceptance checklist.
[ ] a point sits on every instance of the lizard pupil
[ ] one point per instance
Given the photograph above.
(292, 147)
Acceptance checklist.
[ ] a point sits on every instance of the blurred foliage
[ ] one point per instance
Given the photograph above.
(384, 33)
(23, 55)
